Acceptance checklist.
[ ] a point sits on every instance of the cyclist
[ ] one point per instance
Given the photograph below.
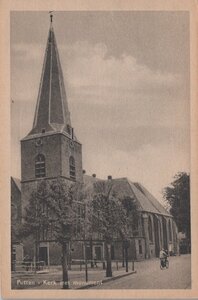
(163, 257)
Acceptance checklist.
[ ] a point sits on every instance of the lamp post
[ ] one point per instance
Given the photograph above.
(85, 244)
(86, 269)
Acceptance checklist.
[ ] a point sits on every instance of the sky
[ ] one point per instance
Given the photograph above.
(127, 83)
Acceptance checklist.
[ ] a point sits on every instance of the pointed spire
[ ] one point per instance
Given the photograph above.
(52, 113)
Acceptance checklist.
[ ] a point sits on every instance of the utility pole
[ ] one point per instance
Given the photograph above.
(85, 243)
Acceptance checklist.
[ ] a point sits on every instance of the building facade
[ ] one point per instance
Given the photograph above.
(153, 229)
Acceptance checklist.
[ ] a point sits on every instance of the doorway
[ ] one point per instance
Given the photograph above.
(43, 255)
(98, 252)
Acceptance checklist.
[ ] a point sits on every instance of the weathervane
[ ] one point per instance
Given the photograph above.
(51, 16)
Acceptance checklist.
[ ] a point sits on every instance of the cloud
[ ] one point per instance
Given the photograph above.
(28, 52)
(148, 165)
(133, 121)
(90, 67)
(90, 72)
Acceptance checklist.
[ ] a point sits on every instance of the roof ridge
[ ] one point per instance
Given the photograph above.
(128, 181)
(147, 201)
(151, 198)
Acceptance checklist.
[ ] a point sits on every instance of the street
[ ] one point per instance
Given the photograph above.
(150, 276)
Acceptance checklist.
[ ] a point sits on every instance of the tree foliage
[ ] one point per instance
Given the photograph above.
(52, 214)
(52, 210)
(111, 216)
(132, 213)
(60, 211)
(114, 216)
(177, 196)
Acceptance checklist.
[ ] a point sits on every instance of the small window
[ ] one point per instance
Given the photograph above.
(40, 166)
(43, 130)
(72, 168)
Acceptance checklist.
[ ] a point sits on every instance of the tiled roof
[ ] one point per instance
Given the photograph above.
(123, 187)
(152, 200)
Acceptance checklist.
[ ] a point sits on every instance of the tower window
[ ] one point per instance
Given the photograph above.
(40, 166)
(72, 168)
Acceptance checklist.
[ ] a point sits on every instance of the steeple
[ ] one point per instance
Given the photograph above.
(50, 150)
(52, 113)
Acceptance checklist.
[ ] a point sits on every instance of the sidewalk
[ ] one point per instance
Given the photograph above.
(149, 275)
(77, 279)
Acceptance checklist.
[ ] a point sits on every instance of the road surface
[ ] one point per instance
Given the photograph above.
(150, 276)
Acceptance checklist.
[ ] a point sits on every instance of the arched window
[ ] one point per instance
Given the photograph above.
(150, 229)
(170, 231)
(72, 168)
(40, 166)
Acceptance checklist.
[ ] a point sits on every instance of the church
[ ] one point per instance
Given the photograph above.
(52, 150)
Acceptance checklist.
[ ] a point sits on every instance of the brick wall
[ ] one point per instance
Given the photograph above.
(66, 151)
(49, 147)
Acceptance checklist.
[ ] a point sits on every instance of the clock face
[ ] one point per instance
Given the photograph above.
(71, 144)
(38, 142)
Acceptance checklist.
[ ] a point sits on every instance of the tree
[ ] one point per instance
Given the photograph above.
(177, 196)
(132, 217)
(15, 234)
(51, 215)
(109, 217)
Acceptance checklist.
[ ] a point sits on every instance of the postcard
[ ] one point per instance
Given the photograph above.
(99, 149)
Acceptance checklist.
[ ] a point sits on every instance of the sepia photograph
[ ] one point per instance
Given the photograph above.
(99, 158)
(100, 150)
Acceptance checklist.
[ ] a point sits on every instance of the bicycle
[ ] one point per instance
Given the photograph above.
(164, 263)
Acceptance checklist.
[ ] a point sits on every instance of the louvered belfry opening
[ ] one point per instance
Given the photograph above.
(72, 168)
(40, 166)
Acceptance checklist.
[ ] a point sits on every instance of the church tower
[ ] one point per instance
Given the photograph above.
(51, 149)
